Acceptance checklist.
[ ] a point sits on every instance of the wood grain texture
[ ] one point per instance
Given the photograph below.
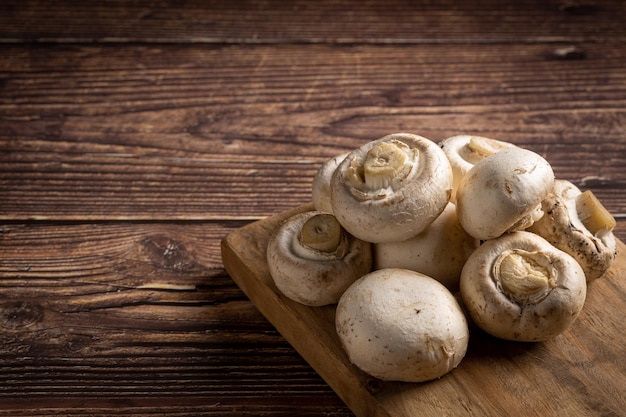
(582, 368)
(328, 21)
(135, 135)
(96, 132)
(101, 316)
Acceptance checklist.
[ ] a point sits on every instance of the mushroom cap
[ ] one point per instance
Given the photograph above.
(310, 276)
(503, 193)
(535, 310)
(440, 251)
(401, 207)
(562, 227)
(400, 325)
(465, 151)
(320, 189)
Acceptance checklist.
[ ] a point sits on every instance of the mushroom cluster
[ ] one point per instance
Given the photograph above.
(406, 232)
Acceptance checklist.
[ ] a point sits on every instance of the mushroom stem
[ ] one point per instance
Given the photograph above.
(391, 188)
(593, 215)
(384, 163)
(485, 146)
(321, 232)
(525, 277)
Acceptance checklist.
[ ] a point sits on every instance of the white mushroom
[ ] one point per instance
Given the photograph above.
(390, 189)
(400, 325)
(519, 287)
(465, 151)
(503, 193)
(577, 223)
(312, 260)
(321, 183)
(440, 251)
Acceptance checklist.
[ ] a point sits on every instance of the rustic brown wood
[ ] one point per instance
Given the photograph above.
(327, 21)
(135, 135)
(186, 137)
(117, 315)
(583, 368)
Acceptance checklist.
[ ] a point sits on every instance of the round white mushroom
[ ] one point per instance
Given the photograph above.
(312, 260)
(503, 193)
(519, 287)
(400, 325)
(577, 223)
(390, 189)
(465, 151)
(440, 251)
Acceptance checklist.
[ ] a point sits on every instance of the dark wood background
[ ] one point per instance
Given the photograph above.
(134, 135)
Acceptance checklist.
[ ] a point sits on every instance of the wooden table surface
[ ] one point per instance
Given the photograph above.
(135, 135)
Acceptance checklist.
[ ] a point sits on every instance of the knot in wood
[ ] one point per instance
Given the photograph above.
(374, 385)
(569, 53)
(167, 253)
(19, 314)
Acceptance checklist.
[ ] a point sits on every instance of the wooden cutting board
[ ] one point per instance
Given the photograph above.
(579, 373)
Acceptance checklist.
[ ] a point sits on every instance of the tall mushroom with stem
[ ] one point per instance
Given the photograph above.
(390, 189)
(312, 259)
(577, 223)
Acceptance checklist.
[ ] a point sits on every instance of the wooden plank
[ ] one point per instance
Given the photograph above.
(328, 21)
(579, 373)
(134, 315)
(190, 132)
(214, 407)
(135, 135)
